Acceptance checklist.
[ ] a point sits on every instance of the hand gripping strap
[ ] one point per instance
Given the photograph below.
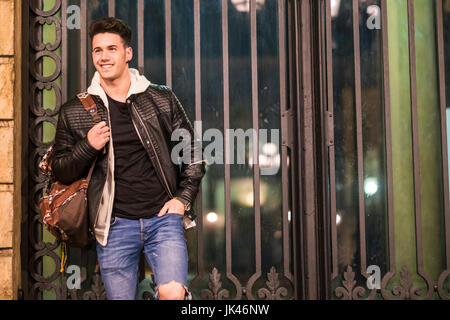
(91, 108)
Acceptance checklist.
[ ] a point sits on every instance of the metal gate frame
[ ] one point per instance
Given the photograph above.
(306, 138)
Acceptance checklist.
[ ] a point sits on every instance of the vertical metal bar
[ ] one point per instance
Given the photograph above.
(359, 135)
(64, 51)
(63, 64)
(443, 99)
(25, 253)
(255, 151)
(283, 110)
(415, 143)
(168, 18)
(325, 239)
(330, 98)
(388, 146)
(39, 135)
(111, 8)
(83, 41)
(307, 168)
(198, 117)
(295, 159)
(255, 114)
(140, 14)
(226, 127)
(198, 98)
(197, 62)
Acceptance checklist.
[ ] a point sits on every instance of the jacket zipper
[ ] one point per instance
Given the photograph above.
(151, 143)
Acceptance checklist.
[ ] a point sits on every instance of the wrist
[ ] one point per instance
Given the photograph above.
(187, 204)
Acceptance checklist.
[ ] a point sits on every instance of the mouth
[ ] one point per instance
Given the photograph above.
(106, 66)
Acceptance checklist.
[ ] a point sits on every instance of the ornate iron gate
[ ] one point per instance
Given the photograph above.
(269, 64)
(389, 220)
(225, 270)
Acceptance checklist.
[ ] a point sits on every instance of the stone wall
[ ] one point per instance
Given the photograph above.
(10, 148)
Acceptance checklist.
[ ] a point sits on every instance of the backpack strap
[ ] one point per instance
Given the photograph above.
(89, 105)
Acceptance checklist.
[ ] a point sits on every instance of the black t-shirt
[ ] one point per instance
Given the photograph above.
(138, 191)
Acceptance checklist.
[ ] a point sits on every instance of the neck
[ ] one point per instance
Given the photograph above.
(118, 88)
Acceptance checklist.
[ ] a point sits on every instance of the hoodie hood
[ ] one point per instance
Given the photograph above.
(139, 84)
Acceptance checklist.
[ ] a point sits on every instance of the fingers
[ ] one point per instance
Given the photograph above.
(163, 210)
(100, 125)
(172, 206)
(99, 135)
(104, 129)
(106, 137)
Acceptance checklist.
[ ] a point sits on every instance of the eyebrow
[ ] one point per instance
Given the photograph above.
(109, 47)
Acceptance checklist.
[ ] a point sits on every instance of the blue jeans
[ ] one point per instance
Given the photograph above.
(163, 243)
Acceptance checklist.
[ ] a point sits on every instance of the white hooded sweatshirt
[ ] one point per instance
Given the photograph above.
(139, 84)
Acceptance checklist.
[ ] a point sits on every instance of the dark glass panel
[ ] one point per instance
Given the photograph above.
(269, 150)
(183, 71)
(375, 202)
(345, 135)
(241, 185)
(154, 41)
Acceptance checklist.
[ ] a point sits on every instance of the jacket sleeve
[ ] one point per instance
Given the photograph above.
(72, 158)
(191, 173)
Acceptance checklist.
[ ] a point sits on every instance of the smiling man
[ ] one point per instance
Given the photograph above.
(138, 199)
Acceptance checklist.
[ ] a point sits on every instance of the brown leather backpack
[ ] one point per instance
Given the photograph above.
(64, 209)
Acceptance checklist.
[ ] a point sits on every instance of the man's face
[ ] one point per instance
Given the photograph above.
(110, 56)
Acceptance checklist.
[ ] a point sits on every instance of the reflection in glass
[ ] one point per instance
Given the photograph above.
(244, 5)
(213, 192)
(241, 184)
(373, 138)
(345, 136)
(375, 201)
(269, 152)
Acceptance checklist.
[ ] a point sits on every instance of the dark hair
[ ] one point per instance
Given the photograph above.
(111, 25)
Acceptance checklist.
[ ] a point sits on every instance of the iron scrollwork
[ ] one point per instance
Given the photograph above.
(273, 291)
(405, 288)
(215, 291)
(38, 115)
(444, 281)
(349, 290)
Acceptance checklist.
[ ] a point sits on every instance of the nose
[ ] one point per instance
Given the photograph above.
(104, 56)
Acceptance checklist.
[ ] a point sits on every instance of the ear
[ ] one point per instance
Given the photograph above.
(128, 54)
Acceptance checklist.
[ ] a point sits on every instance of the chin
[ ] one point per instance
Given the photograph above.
(108, 76)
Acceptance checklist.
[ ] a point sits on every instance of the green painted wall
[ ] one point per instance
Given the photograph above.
(429, 138)
(429, 141)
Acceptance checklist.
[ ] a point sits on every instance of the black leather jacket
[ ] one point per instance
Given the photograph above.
(156, 113)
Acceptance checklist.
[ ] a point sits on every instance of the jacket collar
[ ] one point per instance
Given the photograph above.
(139, 84)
